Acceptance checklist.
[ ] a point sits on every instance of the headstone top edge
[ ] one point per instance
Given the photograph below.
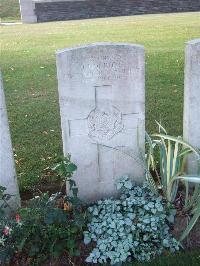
(100, 44)
(193, 42)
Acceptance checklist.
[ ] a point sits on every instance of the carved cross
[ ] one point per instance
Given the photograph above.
(101, 125)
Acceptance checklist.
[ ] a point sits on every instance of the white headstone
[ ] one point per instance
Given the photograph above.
(102, 103)
(8, 178)
(27, 9)
(191, 127)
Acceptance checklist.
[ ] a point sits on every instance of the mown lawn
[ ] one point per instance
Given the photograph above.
(29, 72)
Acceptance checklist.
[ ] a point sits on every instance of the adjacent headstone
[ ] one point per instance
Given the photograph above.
(27, 9)
(102, 107)
(191, 127)
(8, 178)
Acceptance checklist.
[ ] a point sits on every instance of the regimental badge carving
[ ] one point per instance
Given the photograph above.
(105, 123)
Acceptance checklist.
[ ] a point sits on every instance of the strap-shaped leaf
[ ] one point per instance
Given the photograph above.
(191, 223)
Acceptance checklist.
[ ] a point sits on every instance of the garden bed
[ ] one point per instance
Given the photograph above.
(157, 218)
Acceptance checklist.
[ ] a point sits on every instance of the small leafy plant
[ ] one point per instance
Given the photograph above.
(47, 227)
(65, 169)
(4, 198)
(45, 231)
(134, 226)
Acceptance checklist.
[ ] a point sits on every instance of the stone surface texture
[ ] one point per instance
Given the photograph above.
(51, 10)
(27, 9)
(102, 107)
(83, 9)
(8, 176)
(191, 123)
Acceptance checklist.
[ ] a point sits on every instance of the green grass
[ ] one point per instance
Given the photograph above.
(9, 10)
(29, 72)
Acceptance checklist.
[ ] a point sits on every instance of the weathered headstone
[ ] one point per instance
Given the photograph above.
(27, 9)
(8, 178)
(102, 105)
(191, 127)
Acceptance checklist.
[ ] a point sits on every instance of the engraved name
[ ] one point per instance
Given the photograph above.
(102, 67)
